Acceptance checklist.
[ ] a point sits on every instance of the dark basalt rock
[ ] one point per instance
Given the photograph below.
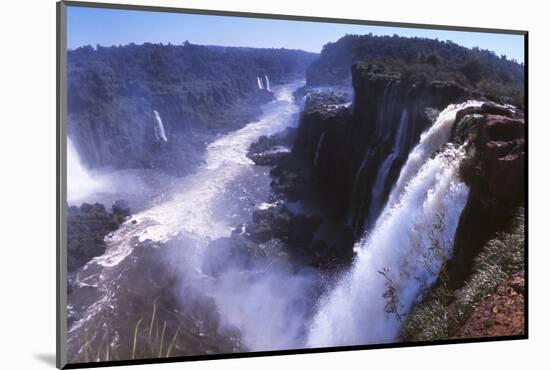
(263, 215)
(323, 144)
(87, 227)
(259, 232)
(381, 98)
(268, 151)
(442, 93)
(308, 239)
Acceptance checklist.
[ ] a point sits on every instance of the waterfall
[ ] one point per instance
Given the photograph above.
(377, 196)
(160, 134)
(318, 149)
(267, 86)
(260, 85)
(403, 253)
(80, 183)
(433, 138)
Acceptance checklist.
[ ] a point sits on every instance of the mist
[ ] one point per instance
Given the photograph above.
(139, 187)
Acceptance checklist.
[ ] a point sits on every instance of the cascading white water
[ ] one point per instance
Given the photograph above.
(267, 86)
(190, 211)
(80, 182)
(160, 134)
(318, 149)
(404, 251)
(433, 138)
(384, 170)
(260, 85)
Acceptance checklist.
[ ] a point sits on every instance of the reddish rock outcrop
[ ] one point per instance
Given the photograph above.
(502, 143)
(494, 170)
(500, 314)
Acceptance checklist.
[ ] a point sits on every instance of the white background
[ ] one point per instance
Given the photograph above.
(27, 207)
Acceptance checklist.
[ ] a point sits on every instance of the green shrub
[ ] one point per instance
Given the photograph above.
(422, 59)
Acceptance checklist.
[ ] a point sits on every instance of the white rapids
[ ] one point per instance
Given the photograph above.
(189, 210)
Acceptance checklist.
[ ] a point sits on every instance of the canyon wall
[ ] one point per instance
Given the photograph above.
(197, 91)
(357, 150)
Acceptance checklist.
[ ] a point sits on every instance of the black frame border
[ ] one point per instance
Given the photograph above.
(61, 172)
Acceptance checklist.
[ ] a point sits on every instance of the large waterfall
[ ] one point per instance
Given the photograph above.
(404, 251)
(160, 134)
(273, 304)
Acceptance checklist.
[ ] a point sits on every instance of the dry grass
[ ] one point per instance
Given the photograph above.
(149, 340)
(499, 258)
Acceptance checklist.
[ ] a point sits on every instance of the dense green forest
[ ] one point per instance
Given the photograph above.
(422, 60)
(113, 91)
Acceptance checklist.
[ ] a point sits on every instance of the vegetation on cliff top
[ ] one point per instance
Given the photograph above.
(422, 60)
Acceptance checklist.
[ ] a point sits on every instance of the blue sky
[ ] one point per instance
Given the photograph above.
(106, 27)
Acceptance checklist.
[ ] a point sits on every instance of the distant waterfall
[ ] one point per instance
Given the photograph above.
(160, 134)
(267, 86)
(263, 83)
(318, 149)
(404, 251)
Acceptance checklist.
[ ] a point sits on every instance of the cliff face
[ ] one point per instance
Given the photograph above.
(495, 172)
(356, 151)
(198, 91)
(323, 143)
(480, 290)
(87, 227)
(347, 151)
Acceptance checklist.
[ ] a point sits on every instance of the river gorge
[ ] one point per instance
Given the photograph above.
(285, 210)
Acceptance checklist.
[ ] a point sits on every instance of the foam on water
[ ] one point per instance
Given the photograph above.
(189, 210)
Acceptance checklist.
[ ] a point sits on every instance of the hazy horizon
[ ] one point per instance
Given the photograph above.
(115, 27)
